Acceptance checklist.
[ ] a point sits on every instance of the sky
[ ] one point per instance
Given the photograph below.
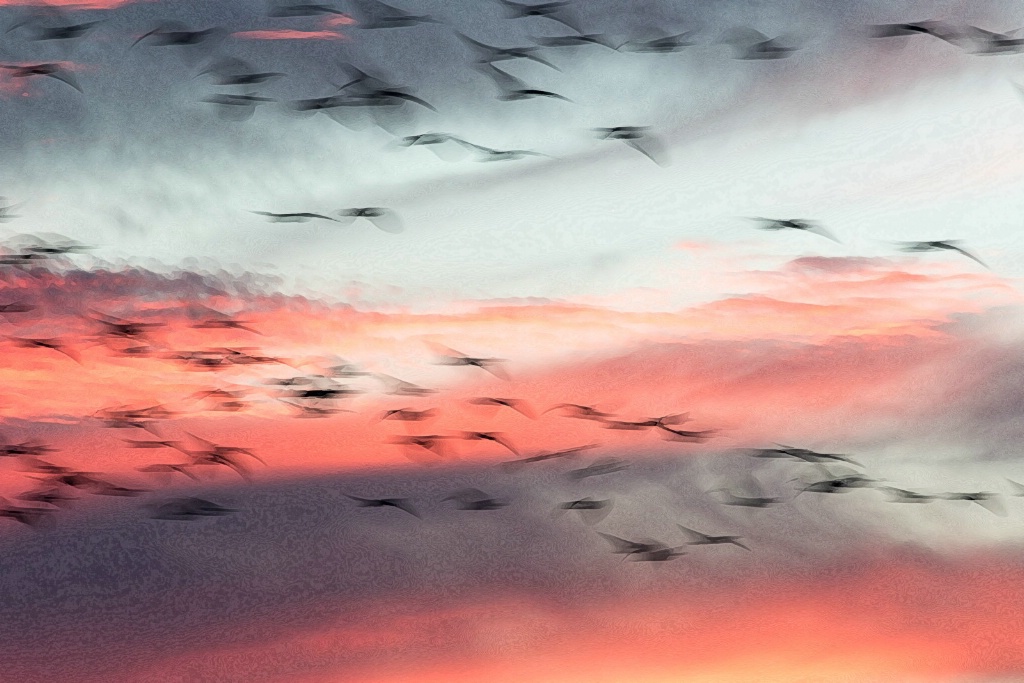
(165, 340)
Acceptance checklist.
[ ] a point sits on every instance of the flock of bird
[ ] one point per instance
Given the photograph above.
(376, 98)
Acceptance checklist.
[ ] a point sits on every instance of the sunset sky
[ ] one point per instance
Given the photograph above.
(180, 325)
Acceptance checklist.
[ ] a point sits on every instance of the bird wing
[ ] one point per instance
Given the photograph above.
(967, 254)
(388, 222)
(651, 148)
(824, 232)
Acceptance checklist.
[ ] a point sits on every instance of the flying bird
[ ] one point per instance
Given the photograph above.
(52, 70)
(555, 11)
(515, 404)
(501, 54)
(704, 539)
(489, 154)
(452, 357)
(643, 551)
(794, 224)
(183, 509)
(637, 138)
(303, 10)
(514, 89)
(377, 14)
(938, 245)
(496, 437)
(292, 217)
(664, 45)
(591, 511)
(399, 503)
(383, 219)
(475, 499)
(751, 45)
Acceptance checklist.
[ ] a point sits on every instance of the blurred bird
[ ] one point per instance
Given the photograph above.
(794, 224)
(637, 138)
(938, 245)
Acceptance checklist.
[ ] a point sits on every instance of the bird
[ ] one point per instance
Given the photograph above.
(54, 344)
(704, 539)
(175, 34)
(431, 442)
(565, 453)
(581, 412)
(938, 245)
(502, 54)
(383, 219)
(643, 551)
(897, 495)
(664, 45)
(303, 10)
(637, 138)
(688, 436)
(515, 404)
(490, 154)
(753, 45)
(169, 468)
(800, 454)
(935, 29)
(987, 500)
(377, 15)
(398, 387)
(292, 217)
(237, 107)
(991, 43)
(475, 499)
(496, 437)
(591, 511)
(67, 32)
(399, 503)
(513, 89)
(452, 357)
(598, 468)
(555, 11)
(408, 414)
(188, 508)
(794, 224)
(50, 69)
(576, 41)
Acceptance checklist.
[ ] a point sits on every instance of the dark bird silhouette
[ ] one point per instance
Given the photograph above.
(837, 484)
(119, 327)
(518, 405)
(489, 53)
(581, 412)
(237, 107)
(237, 72)
(183, 509)
(578, 40)
(1018, 488)
(591, 511)
(215, 454)
(649, 423)
(52, 70)
(513, 89)
(989, 501)
(16, 307)
(68, 32)
(398, 387)
(496, 437)
(150, 444)
(376, 15)
(53, 344)
(757, 500)
(383, 219)
(435, 142)
(452, 357)
(751, 44)
(430, 442)
(665, 45)
(475, 499)
(704, 539)
(399, 503)
(173, 34)
(408, 415)
(48, 496)
(169, 468)
(687, 436)
(215, 320)
(903, 496)
(935, 29)
(637, 138)
(302, 10)
(991, 43)
(292, 217)
(29, 448)
(800, 454)
(643, 551)
(938, 245)
(5, 211)
(29, 516)
(598, 468)
(489, 154)
(555, 11)
(566, 453)
(794, 224)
